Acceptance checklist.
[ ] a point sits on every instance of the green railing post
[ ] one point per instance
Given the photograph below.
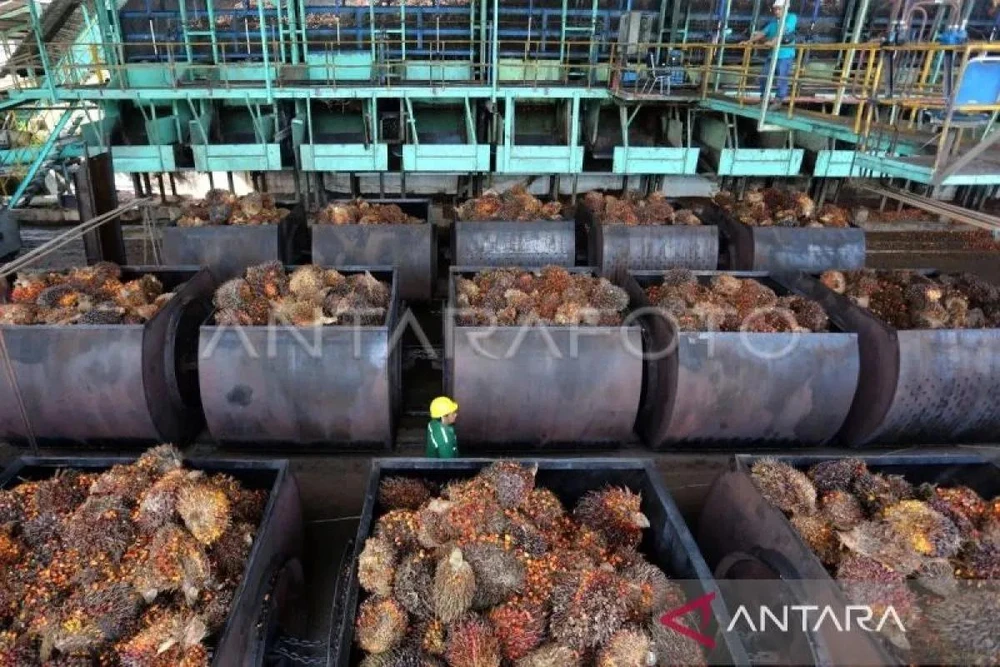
(210, 9)
(40, 157)
(265, 47)
(42, 52)
(182, 8)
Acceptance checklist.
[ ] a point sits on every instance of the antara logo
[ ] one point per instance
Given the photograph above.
(860, 616)
(704, 606)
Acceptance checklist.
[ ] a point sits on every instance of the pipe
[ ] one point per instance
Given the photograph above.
(772, 67)
(849, 60)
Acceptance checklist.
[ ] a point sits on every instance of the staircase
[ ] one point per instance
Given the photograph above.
(61, 22)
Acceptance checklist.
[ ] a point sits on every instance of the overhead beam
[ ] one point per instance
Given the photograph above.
(987, 142)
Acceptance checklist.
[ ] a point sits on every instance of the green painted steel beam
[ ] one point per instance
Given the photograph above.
(922, 173)
(152, 95)
(40, 158)
(800, 123)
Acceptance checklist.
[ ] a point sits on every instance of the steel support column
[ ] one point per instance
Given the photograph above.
(95, 194)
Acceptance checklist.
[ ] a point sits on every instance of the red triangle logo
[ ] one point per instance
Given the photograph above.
(704, 606)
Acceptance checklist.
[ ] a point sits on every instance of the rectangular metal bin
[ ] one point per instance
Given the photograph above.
(542, 385)
(917, 386)
(344, 157)
(735, 387)
(126, 383)
(667, 543)
(544, 159)
(758, 161)
(303, 385)
(410, 248)
(736, 520)
(502, 243)
(242, 642)
(655, 160)
(229, 249)
(618, 247)
(788, 248)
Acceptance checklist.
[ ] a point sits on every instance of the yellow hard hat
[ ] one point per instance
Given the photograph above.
(441, 406)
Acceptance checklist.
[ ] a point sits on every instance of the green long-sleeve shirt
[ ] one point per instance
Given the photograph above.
(441, 440)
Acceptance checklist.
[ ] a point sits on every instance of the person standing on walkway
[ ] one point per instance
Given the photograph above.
(785, 52)
(441, 440)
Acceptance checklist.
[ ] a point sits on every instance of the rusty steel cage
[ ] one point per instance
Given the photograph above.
(532, 243)
(743, 536)
(229, 249)
(787, 248)
(741, 387)
(542, 385)
(667, 544)
(916, 385)
(123, 383)
(617, 247)
(273, 571)
(410, 248)
(335, 386)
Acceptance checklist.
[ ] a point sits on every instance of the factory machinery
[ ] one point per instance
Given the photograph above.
(629, 91)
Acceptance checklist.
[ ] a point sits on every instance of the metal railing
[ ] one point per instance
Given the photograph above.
(876, 88)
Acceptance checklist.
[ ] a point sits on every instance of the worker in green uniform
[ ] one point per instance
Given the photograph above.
(786, 50)
(441, 440)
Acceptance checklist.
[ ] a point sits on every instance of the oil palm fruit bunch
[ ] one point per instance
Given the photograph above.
(553, 295)
(514, 204)
(492, 570)
(911, 300)
(632, 209)
(781, 207)
(85, 295)
(221, 207)
(136, 565)
(310, 296)
(925, 551)
(363, 212)
(728, 303)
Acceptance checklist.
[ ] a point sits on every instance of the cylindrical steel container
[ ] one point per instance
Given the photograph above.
(229, 249)
(615, 247)
(334, 385)
(667, 543)
(531, 243)
(542, 385)
(776, 249)
(410, 248)
(277, 543)
(738, 525)
(917, 386)
(724, 387)
(123, 383)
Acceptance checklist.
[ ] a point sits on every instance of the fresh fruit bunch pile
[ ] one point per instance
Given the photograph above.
(926, 550)
(632, 210)
(309, 296)
(221, 207)
(910, 300)
(361, 212)
(727, 303)
(515, 204)
(134, 566)
(86, 295)
(494, 571)
(774, 207)
(553, 295)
